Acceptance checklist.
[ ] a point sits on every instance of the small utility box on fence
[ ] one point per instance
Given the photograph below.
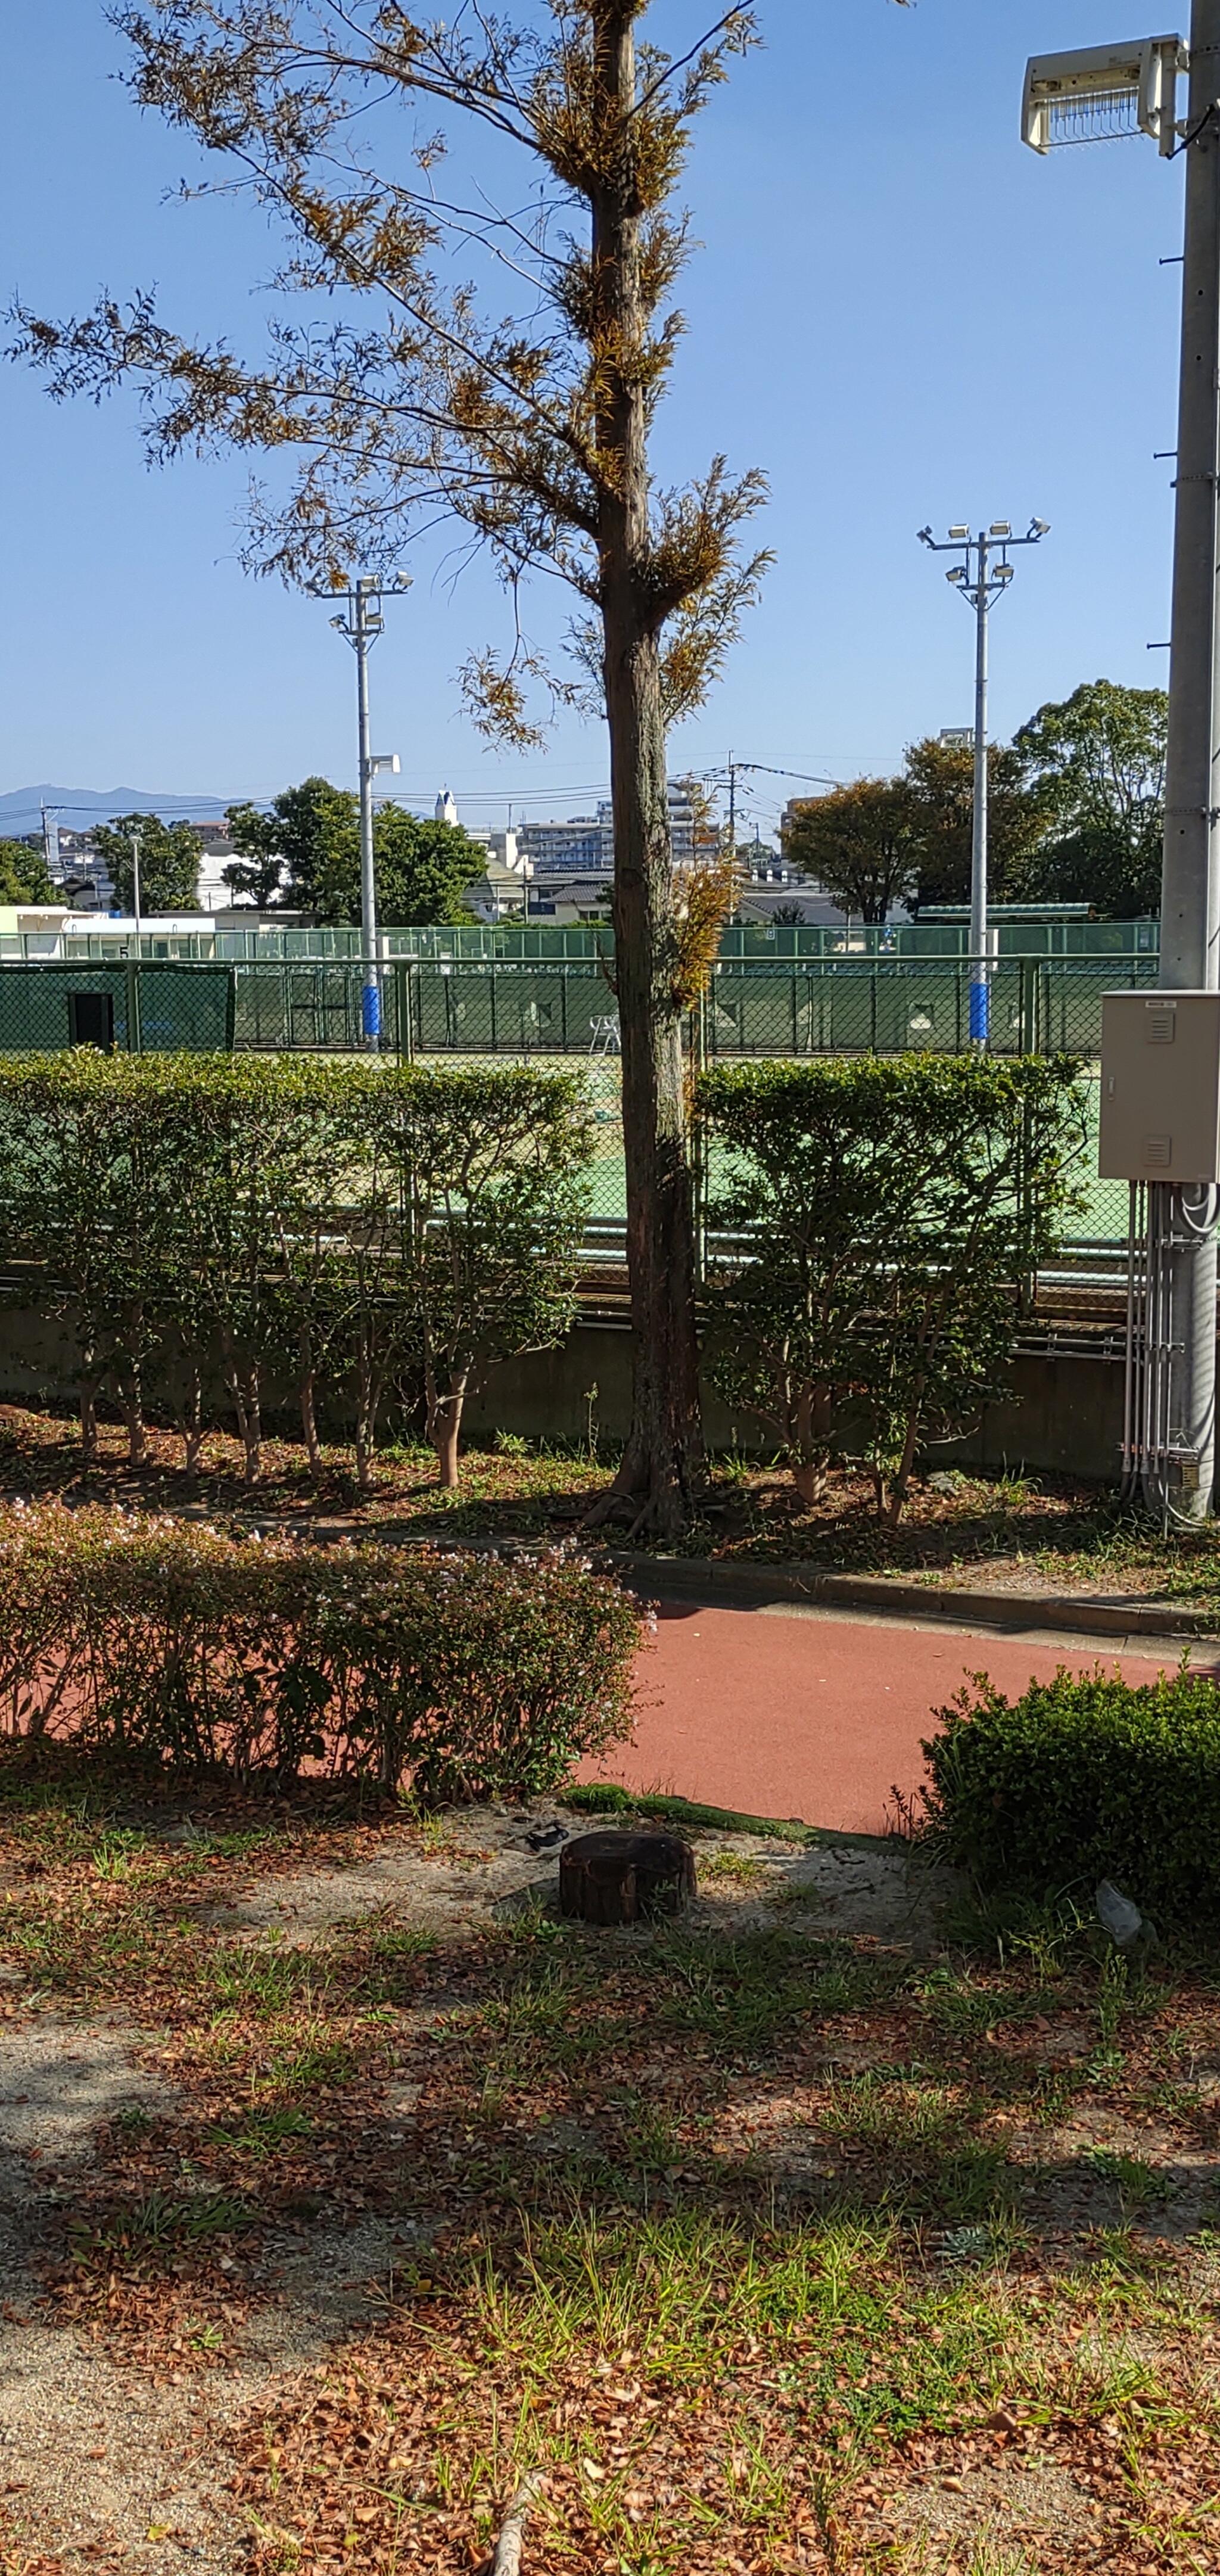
(1160, 1087)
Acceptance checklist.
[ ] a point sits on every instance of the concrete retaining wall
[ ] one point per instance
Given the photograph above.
(1066, 1412)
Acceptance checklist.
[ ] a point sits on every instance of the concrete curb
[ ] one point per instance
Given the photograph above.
(751, 1583)
(712, 1579)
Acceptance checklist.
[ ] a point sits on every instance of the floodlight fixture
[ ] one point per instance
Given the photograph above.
(999, 528)
(956, 573)
(958, 536)
(1039, 528)
(924, 536)
(1103, 92)
(380, 760)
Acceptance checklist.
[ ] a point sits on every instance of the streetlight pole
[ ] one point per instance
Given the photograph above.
(366, 626)
(362, 622)
(980, 579)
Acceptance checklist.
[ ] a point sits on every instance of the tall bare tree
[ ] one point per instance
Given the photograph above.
(421, 393)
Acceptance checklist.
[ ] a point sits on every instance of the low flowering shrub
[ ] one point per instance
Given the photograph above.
(1083, 1778)
(464, 1677)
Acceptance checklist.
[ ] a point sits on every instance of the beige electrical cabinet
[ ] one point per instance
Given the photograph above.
(1160, 1087)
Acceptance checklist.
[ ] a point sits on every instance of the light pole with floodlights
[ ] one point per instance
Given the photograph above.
(362, 622)
(979, 580)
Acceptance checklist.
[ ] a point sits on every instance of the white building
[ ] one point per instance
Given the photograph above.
(584, 844)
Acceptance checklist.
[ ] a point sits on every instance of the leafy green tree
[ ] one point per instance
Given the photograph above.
(858, 843)
(24, 877)
(291, 854)
(888, 1206)
(305, 853)
(169, 862)
(423, 868)
(939, 778)
(1095, 771)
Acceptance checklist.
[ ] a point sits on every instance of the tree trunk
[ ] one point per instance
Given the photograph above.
(131, 1400)
(368, 1406)
(190, 1420)
(663, 1460)
(615, 1877)
(811, 1422)
(88, 1416)
(247, 1405)
(445, 1424)
(307, 1387)
(898, 1489)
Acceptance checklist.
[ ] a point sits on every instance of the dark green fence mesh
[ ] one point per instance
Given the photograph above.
(146, 1009)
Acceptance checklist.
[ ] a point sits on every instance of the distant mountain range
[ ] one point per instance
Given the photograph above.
(78, 807)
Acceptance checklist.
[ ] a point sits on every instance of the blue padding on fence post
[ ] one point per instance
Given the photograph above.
(370, 1010)
(978, 1014)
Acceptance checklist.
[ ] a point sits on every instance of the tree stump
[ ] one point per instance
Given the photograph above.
(616, 1877)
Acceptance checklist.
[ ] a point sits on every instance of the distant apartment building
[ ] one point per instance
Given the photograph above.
(556, 849)
(584, 844)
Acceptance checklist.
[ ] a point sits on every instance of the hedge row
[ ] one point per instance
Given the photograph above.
(354, 1232)
(1083, 1779)
(464, 1677)
(876, 1218)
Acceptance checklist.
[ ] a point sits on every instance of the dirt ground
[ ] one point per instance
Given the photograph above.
(339, 2181)
(105, 2459)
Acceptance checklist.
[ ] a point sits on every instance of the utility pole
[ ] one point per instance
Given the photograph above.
(362, 623)
(1190, 880)
(1131, 88)
(50, 840)
(980, 579)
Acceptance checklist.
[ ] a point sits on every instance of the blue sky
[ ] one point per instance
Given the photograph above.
(897, 311)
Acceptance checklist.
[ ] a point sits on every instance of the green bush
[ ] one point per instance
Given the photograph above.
(1084, 1779)
(879, 1215)
(466, 1677)
(345, 1229)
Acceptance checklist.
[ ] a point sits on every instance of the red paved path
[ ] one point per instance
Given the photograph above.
(814, 1718)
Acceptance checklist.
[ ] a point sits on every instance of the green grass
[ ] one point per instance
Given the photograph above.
(156, 2222)
(606, 1798)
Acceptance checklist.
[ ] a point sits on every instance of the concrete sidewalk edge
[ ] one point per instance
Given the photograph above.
(713, 1579)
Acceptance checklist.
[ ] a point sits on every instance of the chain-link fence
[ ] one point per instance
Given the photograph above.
(146, 1009)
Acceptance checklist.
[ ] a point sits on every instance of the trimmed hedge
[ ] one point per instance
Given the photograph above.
(358, 1232)
(1084, 1779)
(464, 1677)
(875, 1218)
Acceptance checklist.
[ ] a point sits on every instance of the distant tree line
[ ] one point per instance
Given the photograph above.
(1076, 804)
(303, 855)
